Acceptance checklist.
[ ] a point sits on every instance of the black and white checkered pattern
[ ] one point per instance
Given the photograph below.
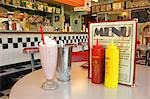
(5, 93)
(11, 45)
(7, 43)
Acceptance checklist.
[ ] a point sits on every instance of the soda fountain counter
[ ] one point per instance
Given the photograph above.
(12, 44)
(80, 87)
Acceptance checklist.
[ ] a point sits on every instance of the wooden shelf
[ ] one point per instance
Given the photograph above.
(23, 8)
(37, 32)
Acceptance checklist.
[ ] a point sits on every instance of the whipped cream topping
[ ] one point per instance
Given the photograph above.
(48, 42)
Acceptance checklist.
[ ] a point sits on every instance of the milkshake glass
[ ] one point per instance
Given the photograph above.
(48, 56)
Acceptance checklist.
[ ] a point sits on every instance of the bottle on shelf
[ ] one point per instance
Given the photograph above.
(14, 25)
(10, 24)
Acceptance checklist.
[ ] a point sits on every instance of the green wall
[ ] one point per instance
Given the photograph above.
(56, 23)
(76, 16)
(59, 23)
(73, 16)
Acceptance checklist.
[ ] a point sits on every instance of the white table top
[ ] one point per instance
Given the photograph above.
(80, 87)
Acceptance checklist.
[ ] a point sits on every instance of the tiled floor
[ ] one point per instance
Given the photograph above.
(4, 97)
(12, 70)
(5, 94)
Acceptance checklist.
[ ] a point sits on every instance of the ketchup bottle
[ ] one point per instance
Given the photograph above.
(98, 64)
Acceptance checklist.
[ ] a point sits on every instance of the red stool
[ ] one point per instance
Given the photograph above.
(83, 44)
(85, 65)
(31, 51)
(71, 44)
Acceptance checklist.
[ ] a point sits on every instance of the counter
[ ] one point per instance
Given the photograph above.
(80, 87)
(12, 44)
(36, 32)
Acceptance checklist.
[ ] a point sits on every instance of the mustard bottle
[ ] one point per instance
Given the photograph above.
(111, 66)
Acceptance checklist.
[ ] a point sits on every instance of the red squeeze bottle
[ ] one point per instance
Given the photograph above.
(98, 64)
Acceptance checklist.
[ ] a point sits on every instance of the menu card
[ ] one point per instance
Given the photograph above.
(123, 33)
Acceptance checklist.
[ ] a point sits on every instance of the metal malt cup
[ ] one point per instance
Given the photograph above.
(64, 63)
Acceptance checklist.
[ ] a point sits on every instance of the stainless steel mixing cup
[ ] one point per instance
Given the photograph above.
(64, 63)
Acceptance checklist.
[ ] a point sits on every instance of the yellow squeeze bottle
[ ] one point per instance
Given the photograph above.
(112, 66)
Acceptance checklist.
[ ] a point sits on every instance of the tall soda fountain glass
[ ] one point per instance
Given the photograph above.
(48, 56)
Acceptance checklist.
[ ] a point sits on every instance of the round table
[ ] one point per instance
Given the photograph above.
(80, 87)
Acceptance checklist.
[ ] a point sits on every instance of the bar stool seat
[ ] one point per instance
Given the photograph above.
(83, 44)
(31, 51)
(71, 44)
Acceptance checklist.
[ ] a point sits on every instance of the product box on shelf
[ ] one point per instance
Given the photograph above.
(16, 2)
(8, 1)
(50, 9)
(29, 4)
(3, 12)
(2, 1)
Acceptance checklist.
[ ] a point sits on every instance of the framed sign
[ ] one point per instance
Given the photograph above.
(118, 5)
(50, 9)
(109, 7)
(123, 33)
(58, 10)
(93, 9)
(98, 8)
(141, 14)
(103, 7)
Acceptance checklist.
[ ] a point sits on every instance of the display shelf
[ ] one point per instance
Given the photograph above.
(38, 32)
(23, 8)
